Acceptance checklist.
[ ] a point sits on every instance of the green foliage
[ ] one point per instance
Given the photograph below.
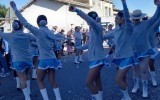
(3, 11)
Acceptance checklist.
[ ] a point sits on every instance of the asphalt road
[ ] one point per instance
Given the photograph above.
(71, 81)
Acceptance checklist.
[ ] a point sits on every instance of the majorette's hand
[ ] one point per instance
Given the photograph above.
(123, 0)
(72, 8)
(13, 5)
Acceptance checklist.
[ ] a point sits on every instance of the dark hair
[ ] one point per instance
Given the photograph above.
(16, 25)
(62, 30)
(41, 17)
(93, 15)
(76, 27)
(145, 18)
(120, 14)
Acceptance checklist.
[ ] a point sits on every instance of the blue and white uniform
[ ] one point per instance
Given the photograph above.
(96, 55)
(123, 55)
(153, 39)
(45, 40)
(77, 39)
(19, 43)
(59, 43)
(141, 44)
(110, 40)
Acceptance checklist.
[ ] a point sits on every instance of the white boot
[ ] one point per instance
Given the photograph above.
(44, 94)
(57, 94)
(125, 95)
(136, 85)
(145, 88)
(97, 96)
(34, 73)
(26, 94)
(80, 58)
(101, 94)
(153, 77)
(18, 83)
(76, 60)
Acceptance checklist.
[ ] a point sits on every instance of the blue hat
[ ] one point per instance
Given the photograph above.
(137, 14)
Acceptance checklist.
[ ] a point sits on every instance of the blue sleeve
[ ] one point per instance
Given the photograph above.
(108, 36)
(89, 20)
(155, 17)
(156, 25)
(31, 37)
(31, 28)
(126, 13)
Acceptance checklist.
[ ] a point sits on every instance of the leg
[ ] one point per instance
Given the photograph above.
(151, 64)
(144, 68)
(80, 56)
(40, 77)
(136, 77)
(34, 70)
(145, 75)
(121, 78)
(76, 57)
(152, 72)
(98, 83)
(92, 77)
(23, 78)
(7, 57)
(51, 76)
(17, 80)
(122, 82)
(27, 71)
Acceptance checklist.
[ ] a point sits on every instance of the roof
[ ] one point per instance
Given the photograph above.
(73, 2)
(27, 5)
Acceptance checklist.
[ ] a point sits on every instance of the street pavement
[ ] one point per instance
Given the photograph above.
(71, 80)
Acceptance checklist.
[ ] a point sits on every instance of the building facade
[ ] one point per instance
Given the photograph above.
(57, 12)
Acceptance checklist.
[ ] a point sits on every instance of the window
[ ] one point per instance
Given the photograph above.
(109, 11)
(106, 11)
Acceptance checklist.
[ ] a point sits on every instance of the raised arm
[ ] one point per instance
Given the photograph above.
(156, 25)
(126, 12)
(84, 16)
(156, 15)
(33, 29)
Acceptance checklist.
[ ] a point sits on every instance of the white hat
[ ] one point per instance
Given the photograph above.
(137, 14)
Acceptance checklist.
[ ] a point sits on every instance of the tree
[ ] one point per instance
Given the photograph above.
(3, 11)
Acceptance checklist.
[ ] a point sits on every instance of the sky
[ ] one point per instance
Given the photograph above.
(147, 6)
(19, 3)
